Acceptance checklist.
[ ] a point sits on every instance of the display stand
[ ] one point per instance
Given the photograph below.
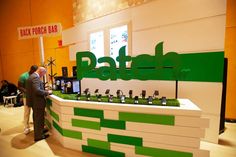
(112, 129)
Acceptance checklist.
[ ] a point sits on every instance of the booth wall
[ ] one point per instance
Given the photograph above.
(18, 55)
(184, 26)
(230, 53)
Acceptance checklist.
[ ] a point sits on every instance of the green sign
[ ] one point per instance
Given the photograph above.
(205, 67)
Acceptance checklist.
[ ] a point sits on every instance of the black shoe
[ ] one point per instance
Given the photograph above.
(43, 137)
(45, 131)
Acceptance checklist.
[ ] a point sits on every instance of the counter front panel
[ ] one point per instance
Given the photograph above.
(127, 130)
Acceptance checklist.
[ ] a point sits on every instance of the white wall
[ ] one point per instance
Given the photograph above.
(185, 26)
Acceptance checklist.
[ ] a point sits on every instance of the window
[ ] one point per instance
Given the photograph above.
(108, 41)
(97, 44)
(118, 39)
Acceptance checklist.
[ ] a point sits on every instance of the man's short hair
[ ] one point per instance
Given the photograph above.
(33, 68)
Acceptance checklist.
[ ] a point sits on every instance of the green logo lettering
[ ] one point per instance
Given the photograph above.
(168, 66)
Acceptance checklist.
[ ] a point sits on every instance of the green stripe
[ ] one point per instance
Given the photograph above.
(103, 152)
(116, 124)
(57, 127)
(49, 125)
(88, 112)
(98, 144)
(86, 124)
(147, 118)
(203, 66)
(54, 115)
(48, 107)
(49, 102)
(156, 152)
(72, 134)
(66, 132)
(137, 141)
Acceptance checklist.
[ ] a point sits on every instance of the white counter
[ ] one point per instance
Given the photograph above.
(112, 129)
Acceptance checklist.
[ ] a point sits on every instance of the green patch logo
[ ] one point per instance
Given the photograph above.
(206, 67)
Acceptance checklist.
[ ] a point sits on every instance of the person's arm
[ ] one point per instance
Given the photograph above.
(36, 83)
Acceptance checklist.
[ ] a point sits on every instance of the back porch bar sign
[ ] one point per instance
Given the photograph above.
(28, 32)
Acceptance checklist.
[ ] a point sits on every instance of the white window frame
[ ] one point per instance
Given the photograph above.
(106, 37)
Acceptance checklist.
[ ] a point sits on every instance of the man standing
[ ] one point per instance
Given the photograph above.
(36, 94)
(22, 87)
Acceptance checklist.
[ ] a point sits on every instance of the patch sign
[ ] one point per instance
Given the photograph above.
(143, 67)
(198, 66)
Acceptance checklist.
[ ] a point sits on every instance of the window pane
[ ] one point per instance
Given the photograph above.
(97, 44)
(118, 38)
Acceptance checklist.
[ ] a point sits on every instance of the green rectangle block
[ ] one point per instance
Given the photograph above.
(160, 152)
(49, 102)
(57, 127)
(103, 152)
(48, 123)
(54, 115)
(147, 118)
(86, 124)
(98, 144)
(72, 134)
(136, 141)
(67, 133)
(48, 107)
(88, 112)
(116, 124)
(202, 68)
